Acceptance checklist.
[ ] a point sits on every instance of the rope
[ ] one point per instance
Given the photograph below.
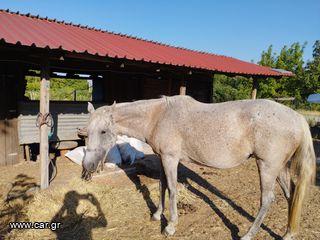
(47, 120)
(44, 119)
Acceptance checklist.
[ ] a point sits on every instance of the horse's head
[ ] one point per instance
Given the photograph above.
(101, 137)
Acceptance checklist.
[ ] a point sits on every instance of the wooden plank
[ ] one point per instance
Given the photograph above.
(153, 88)
(12, 146)
(27, 152)
(2, 143)
(9, 153)
(44, 109)
(254, 88)
(2, 119)
(183, 88)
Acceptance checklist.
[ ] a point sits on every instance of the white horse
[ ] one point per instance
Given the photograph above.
(221, 135)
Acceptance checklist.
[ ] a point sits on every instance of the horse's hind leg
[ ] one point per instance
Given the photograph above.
(162, 190)
(285, 182)
(287, 186)
(268, 175)
(170, 167)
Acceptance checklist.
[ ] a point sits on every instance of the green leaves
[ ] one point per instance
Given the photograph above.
(60, 89)
(228, 89)
(306, 81)
(268, 58)
(291, 59)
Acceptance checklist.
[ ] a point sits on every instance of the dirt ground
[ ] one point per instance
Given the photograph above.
(213, 204)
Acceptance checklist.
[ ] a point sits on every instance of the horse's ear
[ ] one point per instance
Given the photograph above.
(90, 107)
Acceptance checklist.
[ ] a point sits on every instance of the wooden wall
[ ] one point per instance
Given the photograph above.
(10, 85)
(122, 88)
(126, 88)
(200, 87)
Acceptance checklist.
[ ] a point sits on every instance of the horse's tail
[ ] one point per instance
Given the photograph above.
(304, 165)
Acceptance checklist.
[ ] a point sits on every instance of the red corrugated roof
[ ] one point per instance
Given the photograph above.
(31, 30)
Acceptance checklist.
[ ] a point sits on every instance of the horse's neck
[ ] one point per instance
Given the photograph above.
(138, 119)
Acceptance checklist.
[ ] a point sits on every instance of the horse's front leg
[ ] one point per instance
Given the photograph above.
(170, 167)
(162, 189)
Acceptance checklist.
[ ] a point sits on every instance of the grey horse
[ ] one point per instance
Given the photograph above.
(221, 135)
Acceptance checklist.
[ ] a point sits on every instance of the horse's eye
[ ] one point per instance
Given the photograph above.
(103, 132)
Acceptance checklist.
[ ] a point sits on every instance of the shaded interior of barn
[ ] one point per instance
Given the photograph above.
(117, 80)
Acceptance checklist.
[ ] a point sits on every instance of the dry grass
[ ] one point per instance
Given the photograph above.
(77, 205)
(82, 207)
(119, 207)
(13, 198)
(308, 112)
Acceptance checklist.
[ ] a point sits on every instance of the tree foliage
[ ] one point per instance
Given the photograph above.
(268, 58)
(228, 89)
(313, 70)
(306, 80)
(60, 89)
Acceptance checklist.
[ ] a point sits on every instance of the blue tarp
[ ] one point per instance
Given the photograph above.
(314, 98)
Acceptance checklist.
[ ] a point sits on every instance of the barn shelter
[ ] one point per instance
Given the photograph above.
(122, 68)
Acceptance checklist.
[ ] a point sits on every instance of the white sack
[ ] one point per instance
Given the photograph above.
(126, 150)
(76, 155)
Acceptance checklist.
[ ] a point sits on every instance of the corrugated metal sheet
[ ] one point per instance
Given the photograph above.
(29, 30)
(65, 127)
(67, 118)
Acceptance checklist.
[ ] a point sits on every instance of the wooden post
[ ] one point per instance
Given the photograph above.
(183, 88)
(27, 151)
(255, 85)
(44, 108)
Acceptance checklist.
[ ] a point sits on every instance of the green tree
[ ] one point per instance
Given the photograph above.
(32, 88)
(268, 58)
(305, 81)
(230, 88)
(291, 59)
(312, 69)
(269, 87)
(60, 89)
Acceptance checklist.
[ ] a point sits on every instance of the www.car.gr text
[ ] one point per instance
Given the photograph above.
(35, 225)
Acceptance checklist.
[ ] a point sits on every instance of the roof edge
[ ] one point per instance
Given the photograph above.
(110, 32)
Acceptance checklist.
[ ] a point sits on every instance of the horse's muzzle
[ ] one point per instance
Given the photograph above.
(92, 158)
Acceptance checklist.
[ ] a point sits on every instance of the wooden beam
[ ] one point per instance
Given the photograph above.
(183, 88)
(255, 85)
(44, 109)
(53, 75)
(87, 57)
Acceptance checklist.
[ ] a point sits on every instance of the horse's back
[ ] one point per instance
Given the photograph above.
(225, 134)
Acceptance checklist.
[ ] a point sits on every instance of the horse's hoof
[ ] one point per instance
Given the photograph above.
(288, 236)
(245, 237)
(156, 217)
(169, 230)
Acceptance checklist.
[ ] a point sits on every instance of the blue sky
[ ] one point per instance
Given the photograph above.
(241, 29)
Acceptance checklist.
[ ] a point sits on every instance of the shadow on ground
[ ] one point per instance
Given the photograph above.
(185, 175)
(17, 198)
(73, 224)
